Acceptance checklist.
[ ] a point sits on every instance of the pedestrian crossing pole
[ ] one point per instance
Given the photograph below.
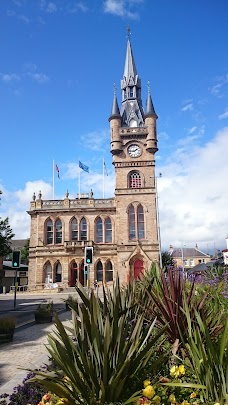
(16, 263)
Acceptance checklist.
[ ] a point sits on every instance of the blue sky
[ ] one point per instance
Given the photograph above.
(59, 61)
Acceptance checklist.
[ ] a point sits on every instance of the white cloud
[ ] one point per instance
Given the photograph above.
(51, 8)
(38, 77)
(48, 6)
(191, 130)
(224, 115)
(193, 195)
(163, 136)
(188, 139)
(79, 6)
(121, 8)
(188, 107)
(11, 77)
(15, 206)
(97, 140)
(217, 88)
(30, 71)
(24, 18)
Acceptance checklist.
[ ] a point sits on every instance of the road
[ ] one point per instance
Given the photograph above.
(26, 303)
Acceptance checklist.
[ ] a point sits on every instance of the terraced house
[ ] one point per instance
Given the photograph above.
(122, 230)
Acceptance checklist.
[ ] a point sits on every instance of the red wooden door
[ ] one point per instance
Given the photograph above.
(73, 275)
(81, 274)
(138, 268)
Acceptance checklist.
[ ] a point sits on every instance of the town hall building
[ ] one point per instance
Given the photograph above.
(122, 230)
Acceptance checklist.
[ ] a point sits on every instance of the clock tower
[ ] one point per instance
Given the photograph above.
(133, 146)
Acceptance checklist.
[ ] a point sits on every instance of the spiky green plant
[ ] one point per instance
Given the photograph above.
(168, 295)
(102, 351)
(209, 359)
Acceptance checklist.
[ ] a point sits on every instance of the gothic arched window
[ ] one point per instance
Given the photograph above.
(108, 271)
(131, 222)
(136, 222)
(58, 273)
(49, 232)
(83, 229)
(108, 230)
(74, 229)
(58, 231)
(99, 230)
(134, 180)
(99, 271)
(48, 273)
(140, 222)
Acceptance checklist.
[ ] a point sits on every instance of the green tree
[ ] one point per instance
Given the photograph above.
(25, 252)
(6, 234)
(167, 260)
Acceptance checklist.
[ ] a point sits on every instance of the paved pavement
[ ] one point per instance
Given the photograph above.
(27, 351)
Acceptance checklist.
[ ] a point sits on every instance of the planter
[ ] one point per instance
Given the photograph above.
(6, 337)
(40, 318)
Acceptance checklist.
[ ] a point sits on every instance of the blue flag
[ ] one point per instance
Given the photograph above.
(83, 167)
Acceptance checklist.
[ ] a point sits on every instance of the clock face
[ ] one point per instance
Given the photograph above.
(134, 151)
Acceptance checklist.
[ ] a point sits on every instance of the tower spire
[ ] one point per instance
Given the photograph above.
(132, 111)
(115, 112)
(149, 104)
(130, 71)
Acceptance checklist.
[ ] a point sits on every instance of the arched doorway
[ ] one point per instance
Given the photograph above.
(58, 273)
(73, 274)
(81, 273)
(47, 274)
(138, 268)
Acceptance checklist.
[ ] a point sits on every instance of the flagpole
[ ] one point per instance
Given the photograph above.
(53, 180)
(103, 179)
(79, 183)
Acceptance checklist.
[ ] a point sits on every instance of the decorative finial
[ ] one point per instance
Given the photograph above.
(34, 196)
(128, 32)
(91, 193)
(39, 195)
(67, 194)
(114, 87)
(148, 86)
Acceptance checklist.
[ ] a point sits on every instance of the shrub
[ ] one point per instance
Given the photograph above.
(106, 348)
(7, 324)
(45, 309)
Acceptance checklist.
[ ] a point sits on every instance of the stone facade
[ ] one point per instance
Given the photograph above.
(132, 244)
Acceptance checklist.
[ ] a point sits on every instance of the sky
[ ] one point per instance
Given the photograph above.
(59, 61)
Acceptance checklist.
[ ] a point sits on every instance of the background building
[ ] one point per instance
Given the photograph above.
(188, 257)
(122, 230)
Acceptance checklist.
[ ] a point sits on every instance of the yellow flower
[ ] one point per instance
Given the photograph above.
(62, 401)
(156, 399)
(174, 371)
(217, 403)
(65, 378)
(185, 403)
(181, 369)
(193, 395)
(149, 391)
(172, 398)
(146, 383)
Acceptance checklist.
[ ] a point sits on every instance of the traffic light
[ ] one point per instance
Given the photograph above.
(88, 255)
(16, 260)
(86, 268)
